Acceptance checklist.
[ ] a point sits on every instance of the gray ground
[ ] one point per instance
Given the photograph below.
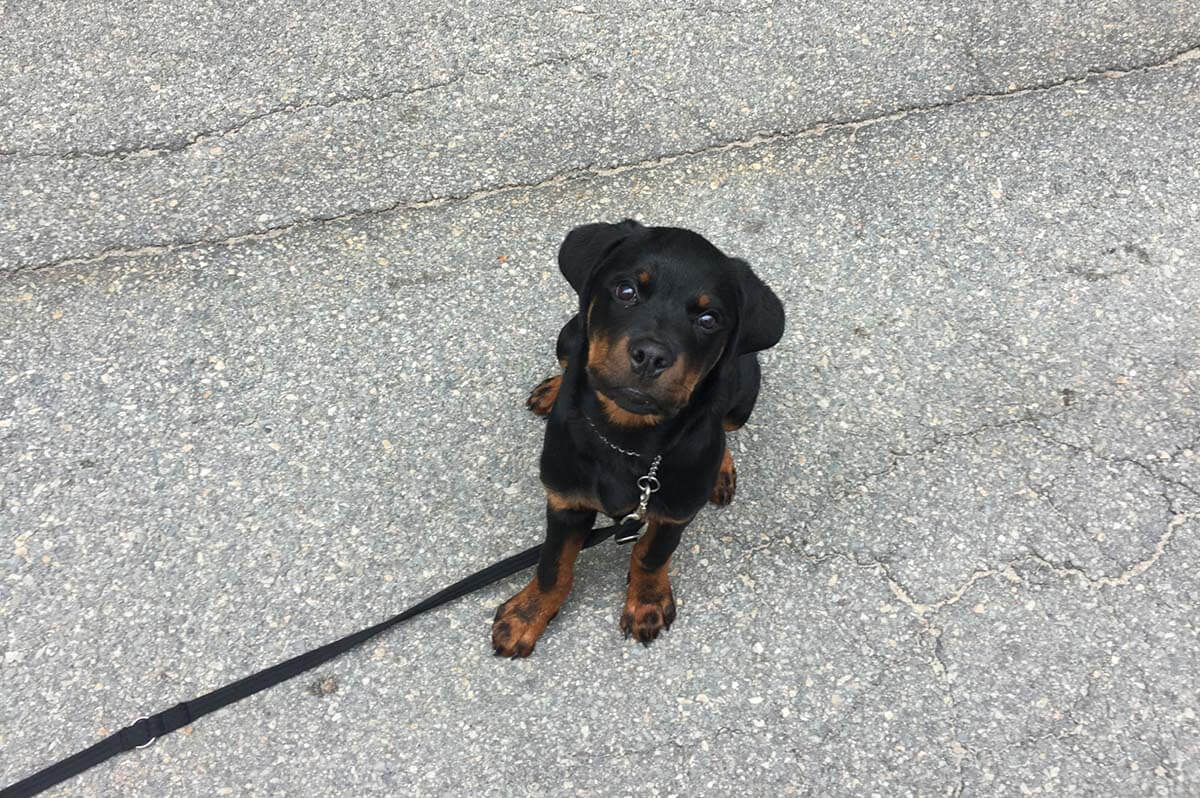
(275, 282)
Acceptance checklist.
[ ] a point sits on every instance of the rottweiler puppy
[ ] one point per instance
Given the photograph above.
(658, 365)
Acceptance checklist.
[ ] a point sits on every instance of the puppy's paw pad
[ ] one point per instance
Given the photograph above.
(520, 621)
(643, 619)
(512, 636)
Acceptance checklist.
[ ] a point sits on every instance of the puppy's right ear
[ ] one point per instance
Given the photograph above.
(585, 247)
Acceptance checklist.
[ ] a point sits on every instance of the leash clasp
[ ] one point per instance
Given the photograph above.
(647, 484)
(628, 537)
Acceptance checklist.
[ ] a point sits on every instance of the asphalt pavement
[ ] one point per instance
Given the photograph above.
(276, 280)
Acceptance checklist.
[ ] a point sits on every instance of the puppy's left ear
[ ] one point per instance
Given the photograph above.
(761, 317)
(586, 246)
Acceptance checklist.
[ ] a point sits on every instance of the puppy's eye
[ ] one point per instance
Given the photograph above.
(708, 321)
(625, 291)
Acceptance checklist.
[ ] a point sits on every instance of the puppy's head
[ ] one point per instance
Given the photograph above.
(663, 308)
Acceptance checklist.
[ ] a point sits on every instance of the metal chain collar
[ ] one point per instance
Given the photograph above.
(647, 483)
(610, 444)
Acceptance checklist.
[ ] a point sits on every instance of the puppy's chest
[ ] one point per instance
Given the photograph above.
(616, 490)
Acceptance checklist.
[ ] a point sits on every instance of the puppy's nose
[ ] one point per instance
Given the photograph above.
(649, 358)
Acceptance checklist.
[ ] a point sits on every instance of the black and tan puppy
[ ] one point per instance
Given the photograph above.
(658, 363)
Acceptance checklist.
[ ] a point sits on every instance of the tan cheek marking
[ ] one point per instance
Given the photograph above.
(597, 351)
(686, 379)
(604, 357)
(682, 380)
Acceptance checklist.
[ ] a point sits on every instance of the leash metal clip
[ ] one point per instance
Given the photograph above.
(628, 537)
(647, 483)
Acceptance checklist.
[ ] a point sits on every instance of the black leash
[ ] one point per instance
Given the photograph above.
(146, 730)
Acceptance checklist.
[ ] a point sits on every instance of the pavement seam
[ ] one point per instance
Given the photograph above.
(1176, 517)
(186, 142)
(924, 611)
(1191, 53)
(926, 615)
(1126, 576)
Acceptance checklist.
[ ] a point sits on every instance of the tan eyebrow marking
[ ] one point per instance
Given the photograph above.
(644, 277)
(703, 300)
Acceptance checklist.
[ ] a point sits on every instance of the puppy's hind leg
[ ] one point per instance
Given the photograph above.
(722, 492)
(542, 397)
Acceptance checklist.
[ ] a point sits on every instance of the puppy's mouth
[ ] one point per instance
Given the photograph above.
(634, 401)
(631, 400)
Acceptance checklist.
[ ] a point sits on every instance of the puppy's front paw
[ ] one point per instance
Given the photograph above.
(649, 608)
(520, 621)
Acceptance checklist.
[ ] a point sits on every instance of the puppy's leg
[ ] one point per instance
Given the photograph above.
(542, 397)
(722, 492)
(521, 620)
(649, 602)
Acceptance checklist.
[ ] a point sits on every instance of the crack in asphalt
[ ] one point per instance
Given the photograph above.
(1128, 574)
(959, 750)
(925, 615)
(1008, 570)
(591, 171)
(186, 142)
(925, 611)
(939, 440)
(1150, 470)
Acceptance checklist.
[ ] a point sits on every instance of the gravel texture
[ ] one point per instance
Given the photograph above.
(962, 557)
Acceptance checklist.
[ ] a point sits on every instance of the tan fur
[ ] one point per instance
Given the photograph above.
(649, 602)
(606, 359)
(571, 501)
(521, 620)
(723, 490)
(542, 398)
(622, 417)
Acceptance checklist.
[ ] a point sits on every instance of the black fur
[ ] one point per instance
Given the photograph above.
(573, 456)
(708, 379)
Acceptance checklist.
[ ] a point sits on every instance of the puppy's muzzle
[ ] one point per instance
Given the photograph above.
(649, 358)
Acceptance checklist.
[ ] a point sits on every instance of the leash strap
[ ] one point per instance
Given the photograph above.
(145, 730)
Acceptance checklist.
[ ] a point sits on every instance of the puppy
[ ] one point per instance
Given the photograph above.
(658, 365)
